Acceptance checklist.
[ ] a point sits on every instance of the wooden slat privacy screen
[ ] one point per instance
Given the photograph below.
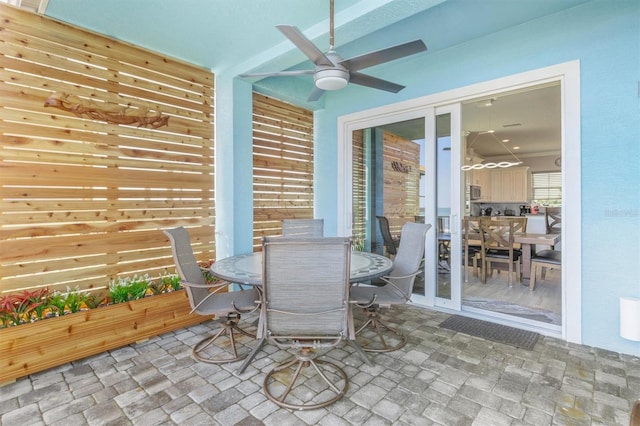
(399, 192)
(83, 201)
(359, 191)
(282, 165)
(401, 181)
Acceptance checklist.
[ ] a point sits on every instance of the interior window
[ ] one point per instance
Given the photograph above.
(547, 188)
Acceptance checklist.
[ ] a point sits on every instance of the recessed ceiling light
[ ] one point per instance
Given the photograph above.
(516, 147)
(506, 140)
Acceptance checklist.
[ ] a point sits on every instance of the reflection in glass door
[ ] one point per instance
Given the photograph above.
(442, 148)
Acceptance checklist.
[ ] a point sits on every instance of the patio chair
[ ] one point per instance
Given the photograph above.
(396, 291)
(303, 227)
(211, 299)
(305, 306)
(388, 240)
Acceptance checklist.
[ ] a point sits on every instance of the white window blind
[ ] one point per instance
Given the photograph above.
(547, 188)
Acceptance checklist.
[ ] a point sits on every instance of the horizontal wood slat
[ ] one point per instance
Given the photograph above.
(282, 165)
(83, 200)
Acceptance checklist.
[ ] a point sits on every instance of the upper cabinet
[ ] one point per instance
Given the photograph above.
(511, 185)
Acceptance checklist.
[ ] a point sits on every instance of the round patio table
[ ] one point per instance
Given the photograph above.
(247, 268)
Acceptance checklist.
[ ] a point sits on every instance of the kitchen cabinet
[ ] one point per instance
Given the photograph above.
(482, 178)
(511, 185)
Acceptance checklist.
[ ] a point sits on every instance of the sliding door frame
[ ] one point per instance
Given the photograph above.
(568, 75)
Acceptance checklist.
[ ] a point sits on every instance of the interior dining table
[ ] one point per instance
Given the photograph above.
(528, 243)
(247, 269)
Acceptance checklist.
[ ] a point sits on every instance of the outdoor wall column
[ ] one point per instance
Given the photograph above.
(234, 167)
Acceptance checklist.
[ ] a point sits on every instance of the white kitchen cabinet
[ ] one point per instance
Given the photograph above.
(482, 178)
(511, 185)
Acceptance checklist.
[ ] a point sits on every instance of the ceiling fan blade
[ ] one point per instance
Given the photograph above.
(316, 93)
(303, 43)
(374, 82)
(384, 55)
(277, 74)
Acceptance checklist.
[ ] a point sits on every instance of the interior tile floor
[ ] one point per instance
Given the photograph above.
(439, 378)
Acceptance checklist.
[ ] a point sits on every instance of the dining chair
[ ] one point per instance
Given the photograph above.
(389, 242)
(543, 259)
(396, 291)
(303, 227)
(211, 299)
(305, 306)
(470, 247)
(497, 247)
(554, 219)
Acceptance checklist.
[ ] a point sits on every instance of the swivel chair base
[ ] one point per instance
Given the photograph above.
(229, 329)
(302, 360)
(374, 321)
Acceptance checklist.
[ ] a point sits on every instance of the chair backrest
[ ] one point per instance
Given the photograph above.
(409, 257)
(383, 223)
(186, 264)
(305, 287)
(303, 227)
(497, 234)
(554, 219)
(519, 223)
(471, 230)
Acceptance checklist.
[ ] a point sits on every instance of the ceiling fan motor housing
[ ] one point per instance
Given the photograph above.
(331, 78)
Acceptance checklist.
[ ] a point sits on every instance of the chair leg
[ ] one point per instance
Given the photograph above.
(305, 358)
(228, 329)
(374, 321)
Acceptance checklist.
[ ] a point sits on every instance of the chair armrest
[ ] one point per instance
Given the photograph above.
(388, 280)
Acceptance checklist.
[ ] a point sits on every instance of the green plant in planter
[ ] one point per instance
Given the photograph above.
(57, 303)
(171, 282)
(126, 289)
(41, 309)
(94, 300)
(74, 299)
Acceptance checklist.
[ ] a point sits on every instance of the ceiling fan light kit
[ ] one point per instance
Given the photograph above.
(331, 79)
(332, 72)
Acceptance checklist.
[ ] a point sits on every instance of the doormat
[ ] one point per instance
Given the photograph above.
(490, 331)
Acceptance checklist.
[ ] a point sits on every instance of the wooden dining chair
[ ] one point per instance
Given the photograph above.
(554, 219)
(470, 247)
(543, 259)
(497, 247)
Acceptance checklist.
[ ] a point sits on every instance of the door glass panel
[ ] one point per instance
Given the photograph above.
(443, 204)
(521, 131)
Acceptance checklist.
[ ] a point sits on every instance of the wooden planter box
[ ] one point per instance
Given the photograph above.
(29, 348)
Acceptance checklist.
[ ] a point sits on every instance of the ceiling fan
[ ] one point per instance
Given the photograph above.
(332, 72)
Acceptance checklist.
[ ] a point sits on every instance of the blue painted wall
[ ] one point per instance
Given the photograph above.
(605, 37)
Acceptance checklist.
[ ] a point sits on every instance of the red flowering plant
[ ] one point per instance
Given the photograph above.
(20, 308)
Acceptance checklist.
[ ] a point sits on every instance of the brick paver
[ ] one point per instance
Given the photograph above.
(439, 378)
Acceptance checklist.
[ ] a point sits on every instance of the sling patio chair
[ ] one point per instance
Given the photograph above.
(305, 307)
(211, 299)
(396, 291)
